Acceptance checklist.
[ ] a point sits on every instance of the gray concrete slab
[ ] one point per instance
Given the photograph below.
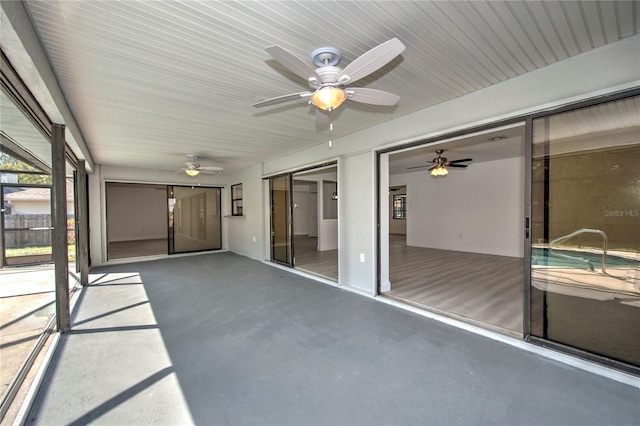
(221, 339)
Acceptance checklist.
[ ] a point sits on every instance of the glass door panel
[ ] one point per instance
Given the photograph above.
(194, 217)
(281, 219)
(585, 261)
(26, 215)
(72, 232)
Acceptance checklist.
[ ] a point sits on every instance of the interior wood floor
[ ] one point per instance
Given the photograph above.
(309, 259)
(126, 249)
(479, 288)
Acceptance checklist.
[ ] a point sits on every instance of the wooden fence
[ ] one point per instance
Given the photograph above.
(20, 232)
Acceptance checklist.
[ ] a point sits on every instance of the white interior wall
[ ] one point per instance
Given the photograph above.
(328, 238)
(479, 209)
(301, 211)
(327, 231)
(136, 212)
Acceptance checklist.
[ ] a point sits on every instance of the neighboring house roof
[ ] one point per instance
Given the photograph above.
(33, 194)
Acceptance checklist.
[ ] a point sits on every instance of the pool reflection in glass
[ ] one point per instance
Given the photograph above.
(585, 208)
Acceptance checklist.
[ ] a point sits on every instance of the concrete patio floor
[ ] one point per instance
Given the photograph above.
(27, 303)
(221, 339)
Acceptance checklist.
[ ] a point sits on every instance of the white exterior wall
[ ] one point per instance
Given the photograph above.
(356, 210)
(246, 234)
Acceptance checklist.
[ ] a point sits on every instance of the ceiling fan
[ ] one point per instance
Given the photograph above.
(438, 166)
(327, 82)
(193, 168)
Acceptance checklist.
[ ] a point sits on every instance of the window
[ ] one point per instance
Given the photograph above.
(236, 200)
(400, 206)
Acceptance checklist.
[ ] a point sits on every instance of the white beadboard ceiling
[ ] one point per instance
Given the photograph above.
(151, 81)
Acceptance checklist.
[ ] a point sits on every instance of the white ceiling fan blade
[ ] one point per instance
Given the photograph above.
(371, 96)
(293, 63)
(323, 118)
(211, 168)
(281, 99)
(371, 61)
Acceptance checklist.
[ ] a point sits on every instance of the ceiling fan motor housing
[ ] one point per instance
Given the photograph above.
(329, 75)
(326, 56)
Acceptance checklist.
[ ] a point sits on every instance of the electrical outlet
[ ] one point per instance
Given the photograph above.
(254, 238)
(362, 257)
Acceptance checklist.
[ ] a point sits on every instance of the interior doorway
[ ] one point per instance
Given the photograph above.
(304, 220)
(136, 220)
(456, 241)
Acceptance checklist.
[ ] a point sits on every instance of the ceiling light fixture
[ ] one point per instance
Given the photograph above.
(439, 172)
(328, 98)
(192, 172)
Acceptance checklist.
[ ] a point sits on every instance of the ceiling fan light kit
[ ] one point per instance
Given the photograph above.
(439, 172)
(192, 172)
(328, 98)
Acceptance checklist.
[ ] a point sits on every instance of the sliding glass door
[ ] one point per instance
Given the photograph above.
(280, 190)
(585, 258)
(195, 223)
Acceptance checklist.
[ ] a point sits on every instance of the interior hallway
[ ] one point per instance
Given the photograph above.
(222, 339)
